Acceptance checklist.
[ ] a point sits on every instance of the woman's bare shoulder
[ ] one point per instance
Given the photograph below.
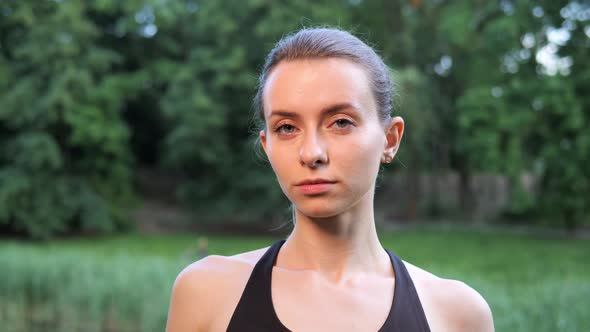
(215, 269)
(450, 304)
(207, 291)
(218, 264)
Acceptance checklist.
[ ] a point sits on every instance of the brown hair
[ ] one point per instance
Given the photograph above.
(310, 43)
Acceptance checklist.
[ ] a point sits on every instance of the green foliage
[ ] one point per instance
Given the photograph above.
(528, 120)
(89, 91)
(418, 113)
(563, 159)
(64, 161)
(497, 108)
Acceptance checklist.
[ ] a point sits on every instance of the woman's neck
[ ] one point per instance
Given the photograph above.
(339, 247)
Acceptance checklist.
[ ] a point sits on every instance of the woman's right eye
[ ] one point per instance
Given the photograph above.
(286, 129)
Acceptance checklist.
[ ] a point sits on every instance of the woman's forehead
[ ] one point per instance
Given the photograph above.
(310, 85)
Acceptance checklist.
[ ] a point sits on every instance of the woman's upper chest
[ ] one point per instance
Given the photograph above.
(304, 301)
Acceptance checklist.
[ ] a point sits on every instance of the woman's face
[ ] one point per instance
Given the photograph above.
(322, 125)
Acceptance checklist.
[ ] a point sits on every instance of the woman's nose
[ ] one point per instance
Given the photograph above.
(313, 151)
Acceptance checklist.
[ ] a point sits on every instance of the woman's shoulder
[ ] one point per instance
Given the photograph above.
(217, 270)
(210, 288)
(450, 304)
(222, 265)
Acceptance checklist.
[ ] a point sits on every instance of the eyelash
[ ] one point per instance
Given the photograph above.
(347, 122)
(279, 129)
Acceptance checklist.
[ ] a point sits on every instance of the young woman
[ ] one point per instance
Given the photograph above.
(325, 99)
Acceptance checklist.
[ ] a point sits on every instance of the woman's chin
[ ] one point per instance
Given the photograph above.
(320, 209)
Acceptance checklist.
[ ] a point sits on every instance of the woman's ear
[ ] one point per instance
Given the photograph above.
(262, 137)
(393, 133)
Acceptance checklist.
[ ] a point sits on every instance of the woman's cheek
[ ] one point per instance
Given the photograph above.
(281, 162)
(362, 161)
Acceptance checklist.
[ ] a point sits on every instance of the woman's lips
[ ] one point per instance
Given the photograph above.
(315, 188)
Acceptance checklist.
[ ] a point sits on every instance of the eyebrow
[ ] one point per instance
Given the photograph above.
(324, 112)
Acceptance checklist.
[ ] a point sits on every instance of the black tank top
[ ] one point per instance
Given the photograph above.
(255, 312)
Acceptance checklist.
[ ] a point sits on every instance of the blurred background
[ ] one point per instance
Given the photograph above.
(127, 150)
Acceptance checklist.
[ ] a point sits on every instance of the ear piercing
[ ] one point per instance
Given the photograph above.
(387, 159)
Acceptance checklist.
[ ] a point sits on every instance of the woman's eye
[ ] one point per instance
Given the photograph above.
(286, 128)
(342, 123)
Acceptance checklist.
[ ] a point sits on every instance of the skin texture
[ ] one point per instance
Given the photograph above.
(332, 272)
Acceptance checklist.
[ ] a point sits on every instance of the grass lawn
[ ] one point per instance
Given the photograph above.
(122, 283)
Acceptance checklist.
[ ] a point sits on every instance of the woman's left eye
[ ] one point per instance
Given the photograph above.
(342, 123)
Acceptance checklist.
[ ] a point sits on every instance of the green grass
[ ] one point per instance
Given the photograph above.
(123, 283)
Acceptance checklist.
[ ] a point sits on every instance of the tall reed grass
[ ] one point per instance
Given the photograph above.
(69, 291)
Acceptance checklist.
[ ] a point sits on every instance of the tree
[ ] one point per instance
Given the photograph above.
(64, 162)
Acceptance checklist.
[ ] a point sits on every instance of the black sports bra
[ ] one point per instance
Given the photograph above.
(255, 311)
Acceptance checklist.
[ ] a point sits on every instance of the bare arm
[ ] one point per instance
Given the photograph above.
(466, 310)
(478, 315)
(188, 310)
(451, 305)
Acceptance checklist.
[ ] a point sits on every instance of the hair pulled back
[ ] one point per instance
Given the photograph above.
(317, 43)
